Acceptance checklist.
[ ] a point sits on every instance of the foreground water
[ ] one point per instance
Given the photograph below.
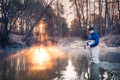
(73, 67)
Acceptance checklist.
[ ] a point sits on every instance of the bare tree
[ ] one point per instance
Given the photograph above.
(10, 12)
(118, 1)
(100, 17)
(78, 12)
(107, 16)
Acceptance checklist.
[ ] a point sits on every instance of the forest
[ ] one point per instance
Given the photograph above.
(22, 17)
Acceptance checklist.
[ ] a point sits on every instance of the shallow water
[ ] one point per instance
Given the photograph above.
(69, 73)
(73, 67)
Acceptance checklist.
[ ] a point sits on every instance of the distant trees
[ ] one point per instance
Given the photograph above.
(74, 28)
(79, 24)
(104, 15)
(59, 27)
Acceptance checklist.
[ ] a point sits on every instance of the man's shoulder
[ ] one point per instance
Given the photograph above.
(95, 33)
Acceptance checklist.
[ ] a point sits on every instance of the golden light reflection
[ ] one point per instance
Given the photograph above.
(40, 28)
(42, 58)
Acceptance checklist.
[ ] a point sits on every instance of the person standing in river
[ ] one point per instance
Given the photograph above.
(94, 49)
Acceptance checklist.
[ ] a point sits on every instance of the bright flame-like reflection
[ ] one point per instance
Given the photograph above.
(40, 57)
(43, 58)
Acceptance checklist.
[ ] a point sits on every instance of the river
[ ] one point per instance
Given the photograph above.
(73, 67)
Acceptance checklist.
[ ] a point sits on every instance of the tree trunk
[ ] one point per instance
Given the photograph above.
(4, 34)
(112, 16)
(78, 15)
(106, 16)
(87, 12)
(108, 26)
(119, 9)
(94, 15)
(100, 16)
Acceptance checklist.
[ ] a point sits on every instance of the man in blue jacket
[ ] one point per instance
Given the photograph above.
(94, 49)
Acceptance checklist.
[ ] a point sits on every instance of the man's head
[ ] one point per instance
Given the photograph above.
(91, 30)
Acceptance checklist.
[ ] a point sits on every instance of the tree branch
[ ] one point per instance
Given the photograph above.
(37, 21)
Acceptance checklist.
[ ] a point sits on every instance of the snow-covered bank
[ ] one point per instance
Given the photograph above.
(77, 44)
(108, 42)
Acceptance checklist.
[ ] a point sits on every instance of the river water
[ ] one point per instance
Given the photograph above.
(73, 67)
(69, 73)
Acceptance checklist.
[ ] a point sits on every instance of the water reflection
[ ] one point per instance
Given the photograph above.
(74, 68)
(94, 72)
(69, 73)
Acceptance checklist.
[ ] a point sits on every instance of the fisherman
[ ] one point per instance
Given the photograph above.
(94, 49)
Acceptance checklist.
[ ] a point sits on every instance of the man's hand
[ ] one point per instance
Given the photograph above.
(87, 47)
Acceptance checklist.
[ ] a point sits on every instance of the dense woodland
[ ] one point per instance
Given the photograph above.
(22, 17)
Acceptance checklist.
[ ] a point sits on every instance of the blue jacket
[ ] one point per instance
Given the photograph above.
(94, 36)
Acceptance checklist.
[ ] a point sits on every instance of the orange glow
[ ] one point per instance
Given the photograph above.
(40, 57)
(44, 57)
(40, 28)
